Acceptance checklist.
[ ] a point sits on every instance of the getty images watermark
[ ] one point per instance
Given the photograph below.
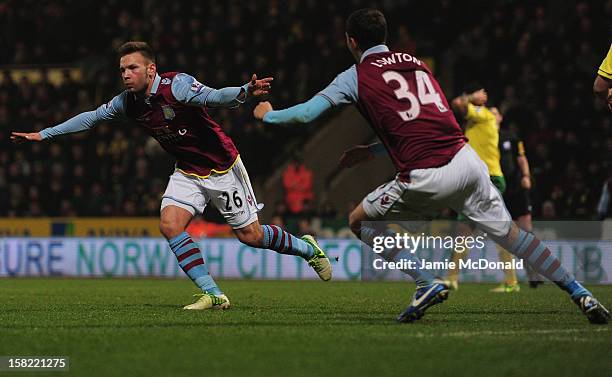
(398, 252)
(391, 250)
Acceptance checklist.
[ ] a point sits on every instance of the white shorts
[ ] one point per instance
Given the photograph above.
(231, 193)
(463, 185)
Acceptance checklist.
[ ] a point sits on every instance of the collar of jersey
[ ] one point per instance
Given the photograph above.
(374, 50)
(155, 85)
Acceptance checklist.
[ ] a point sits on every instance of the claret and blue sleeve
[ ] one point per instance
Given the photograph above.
(189, 91)
(343, 90)
(115, 109)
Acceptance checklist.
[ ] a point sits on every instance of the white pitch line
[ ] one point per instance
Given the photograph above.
(467, 334)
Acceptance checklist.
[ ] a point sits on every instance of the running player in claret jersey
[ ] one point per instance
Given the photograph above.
(171, 107)
(436, 168)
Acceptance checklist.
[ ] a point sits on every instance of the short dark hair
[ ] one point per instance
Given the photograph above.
(368, 27)
(135, 46)
(472, 87)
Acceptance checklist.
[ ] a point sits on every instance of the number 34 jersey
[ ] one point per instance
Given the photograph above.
(398, 95)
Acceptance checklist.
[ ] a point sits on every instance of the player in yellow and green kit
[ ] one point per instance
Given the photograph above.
(602, 87)
(482, 130)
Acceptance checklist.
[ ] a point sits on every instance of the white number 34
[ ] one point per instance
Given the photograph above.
(425, 91)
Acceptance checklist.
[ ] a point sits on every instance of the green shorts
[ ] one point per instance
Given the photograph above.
(499, 182)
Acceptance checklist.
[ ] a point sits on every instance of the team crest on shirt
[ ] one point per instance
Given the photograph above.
(166, 81)
(168, 112)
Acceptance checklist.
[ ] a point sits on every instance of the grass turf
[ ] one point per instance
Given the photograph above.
(136, 327)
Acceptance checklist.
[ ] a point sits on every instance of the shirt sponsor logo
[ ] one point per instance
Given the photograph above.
(168, 136)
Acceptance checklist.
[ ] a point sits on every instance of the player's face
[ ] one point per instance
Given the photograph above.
(136, 72)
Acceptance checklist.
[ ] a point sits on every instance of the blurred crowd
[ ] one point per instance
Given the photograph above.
(538, 64)
(537, 60)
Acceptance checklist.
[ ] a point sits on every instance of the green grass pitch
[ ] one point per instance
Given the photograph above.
(136, 328)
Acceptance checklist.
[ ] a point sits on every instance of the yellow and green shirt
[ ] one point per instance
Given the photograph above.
(483, 132)
(605, 69)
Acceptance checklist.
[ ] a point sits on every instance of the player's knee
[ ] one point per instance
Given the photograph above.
(251, 236)
(170, 229)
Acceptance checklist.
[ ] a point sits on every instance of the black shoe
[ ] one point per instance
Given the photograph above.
(593, 309)
(534, 283)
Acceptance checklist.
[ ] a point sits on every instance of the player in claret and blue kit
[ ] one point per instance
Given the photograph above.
(402, 101)
(171, 107)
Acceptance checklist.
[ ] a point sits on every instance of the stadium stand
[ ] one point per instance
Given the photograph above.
(538, 73)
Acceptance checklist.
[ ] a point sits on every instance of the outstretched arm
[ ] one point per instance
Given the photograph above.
(303, 113)
(81, 122)
(189, 91)
(343, 90)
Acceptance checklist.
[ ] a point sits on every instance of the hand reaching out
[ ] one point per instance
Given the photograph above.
(21, 137)
(260, 87)
(261, 109)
